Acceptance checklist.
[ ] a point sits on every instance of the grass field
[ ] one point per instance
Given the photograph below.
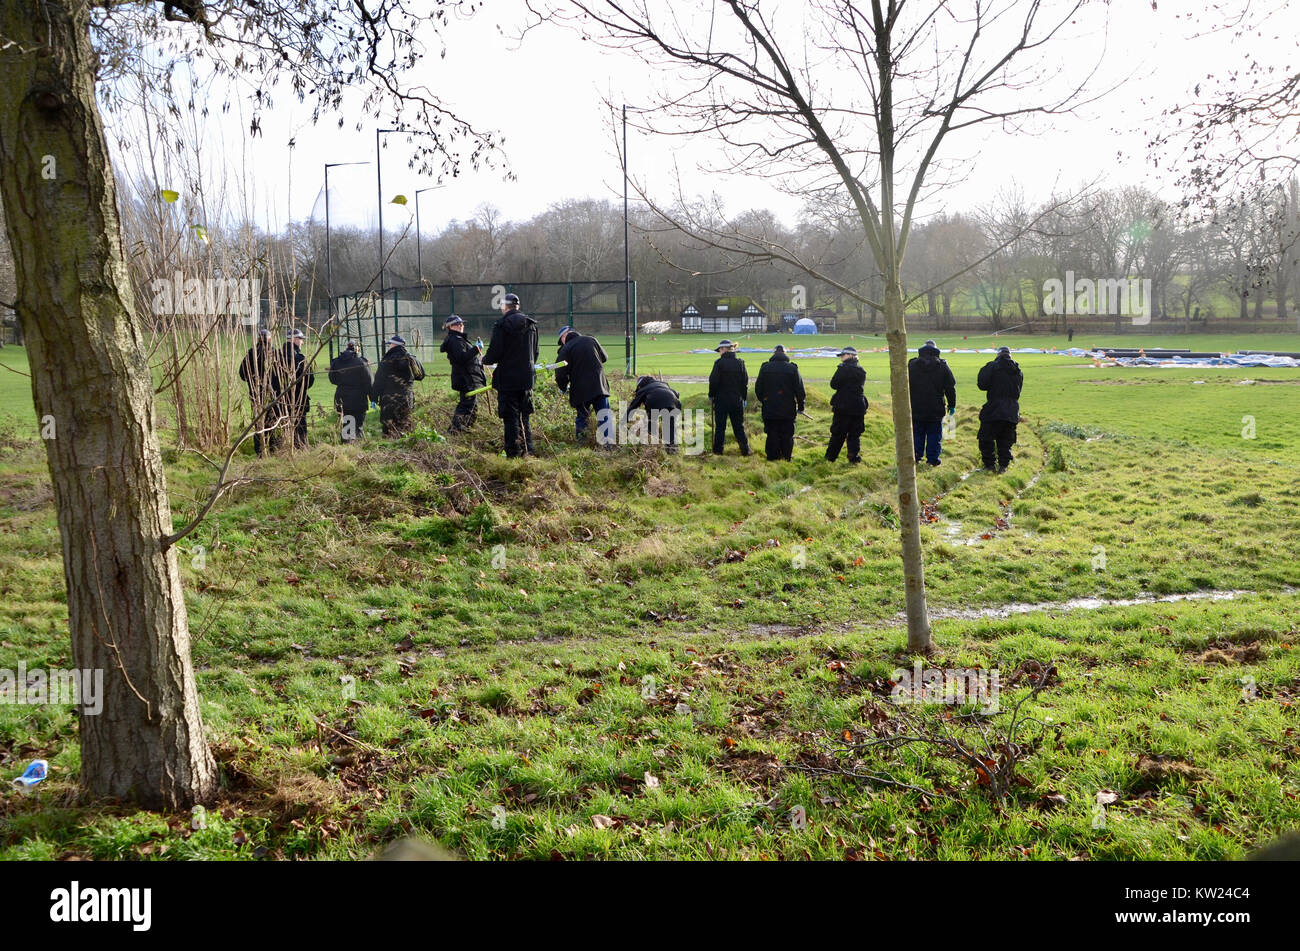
(636, 655)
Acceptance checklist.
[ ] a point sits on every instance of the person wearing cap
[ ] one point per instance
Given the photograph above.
(393, 388)
(930, 383)
(1002, 380)
(779, 388)
(299, 378)
(848, 407)
(663, 406)
(583, 378)
(466, 372)
(728, 392)
(513, 352)
(263, 370)
(352, 379)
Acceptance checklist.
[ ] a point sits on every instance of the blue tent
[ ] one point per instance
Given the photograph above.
(805, 325)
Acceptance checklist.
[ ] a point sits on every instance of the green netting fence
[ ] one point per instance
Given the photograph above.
(417, 314)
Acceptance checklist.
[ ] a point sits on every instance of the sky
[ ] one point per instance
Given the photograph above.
(543, 96)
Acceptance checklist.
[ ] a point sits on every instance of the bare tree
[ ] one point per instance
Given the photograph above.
(852, 102)
(87, 337)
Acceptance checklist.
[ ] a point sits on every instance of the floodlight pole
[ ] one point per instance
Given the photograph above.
(627, 266)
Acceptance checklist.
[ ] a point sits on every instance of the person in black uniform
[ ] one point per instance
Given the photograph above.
(780, 389)
(350, 374)
(300, 377)
(583, 377)
(848, 407)
(393, 387)
(663, 406)
(466, 372)
(1002, 380)
(729, 391)
(263, 370)
(930, 384)
(513, 351)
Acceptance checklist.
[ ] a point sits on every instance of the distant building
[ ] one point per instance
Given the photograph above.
(723, 316)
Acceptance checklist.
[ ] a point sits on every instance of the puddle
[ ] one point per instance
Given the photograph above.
(1078, 604)
(1004, 520)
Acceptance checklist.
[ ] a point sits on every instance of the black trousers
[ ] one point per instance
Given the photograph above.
(736, 414)
(352, 409)
(780, 438)
(462, 417)
(266, 442)
(846, 427)
(395, 411)
(515, 407)
(995, 438)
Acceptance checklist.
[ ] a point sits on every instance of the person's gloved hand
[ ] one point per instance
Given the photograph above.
(952, 410)
(374, 405)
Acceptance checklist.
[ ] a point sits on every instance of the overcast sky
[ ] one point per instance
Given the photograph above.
(544, 96)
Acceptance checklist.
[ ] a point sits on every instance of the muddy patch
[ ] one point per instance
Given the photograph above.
(659, 488)
(1227, 653)
(1156, 770)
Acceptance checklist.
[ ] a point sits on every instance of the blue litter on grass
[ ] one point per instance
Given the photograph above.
(33, 774)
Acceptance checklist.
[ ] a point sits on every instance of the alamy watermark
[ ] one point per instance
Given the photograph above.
(82, 687)
(956, 685)
(1114, 297)
(207, 297)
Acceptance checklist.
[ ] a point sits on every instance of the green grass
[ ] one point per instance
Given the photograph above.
(497, 620)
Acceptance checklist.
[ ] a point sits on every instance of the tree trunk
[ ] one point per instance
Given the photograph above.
(86, 345)
(909, 507)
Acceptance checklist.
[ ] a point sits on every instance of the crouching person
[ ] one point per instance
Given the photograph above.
(663, 408)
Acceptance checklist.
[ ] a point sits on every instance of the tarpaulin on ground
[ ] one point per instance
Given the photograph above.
(1226, 360)
(813, 352)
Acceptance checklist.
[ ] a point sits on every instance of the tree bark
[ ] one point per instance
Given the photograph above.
(909, 507)
(86, 346)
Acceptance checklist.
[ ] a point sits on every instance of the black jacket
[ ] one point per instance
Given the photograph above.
(397, 371)
(654, 394)
(931, 382)
(729, 382)
(847, 383)
(779, 388)
(466, 367)
(1002, 380)
(350, 372)
(263, 370)
(514, 350)
(299, 376)
(584, 376)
